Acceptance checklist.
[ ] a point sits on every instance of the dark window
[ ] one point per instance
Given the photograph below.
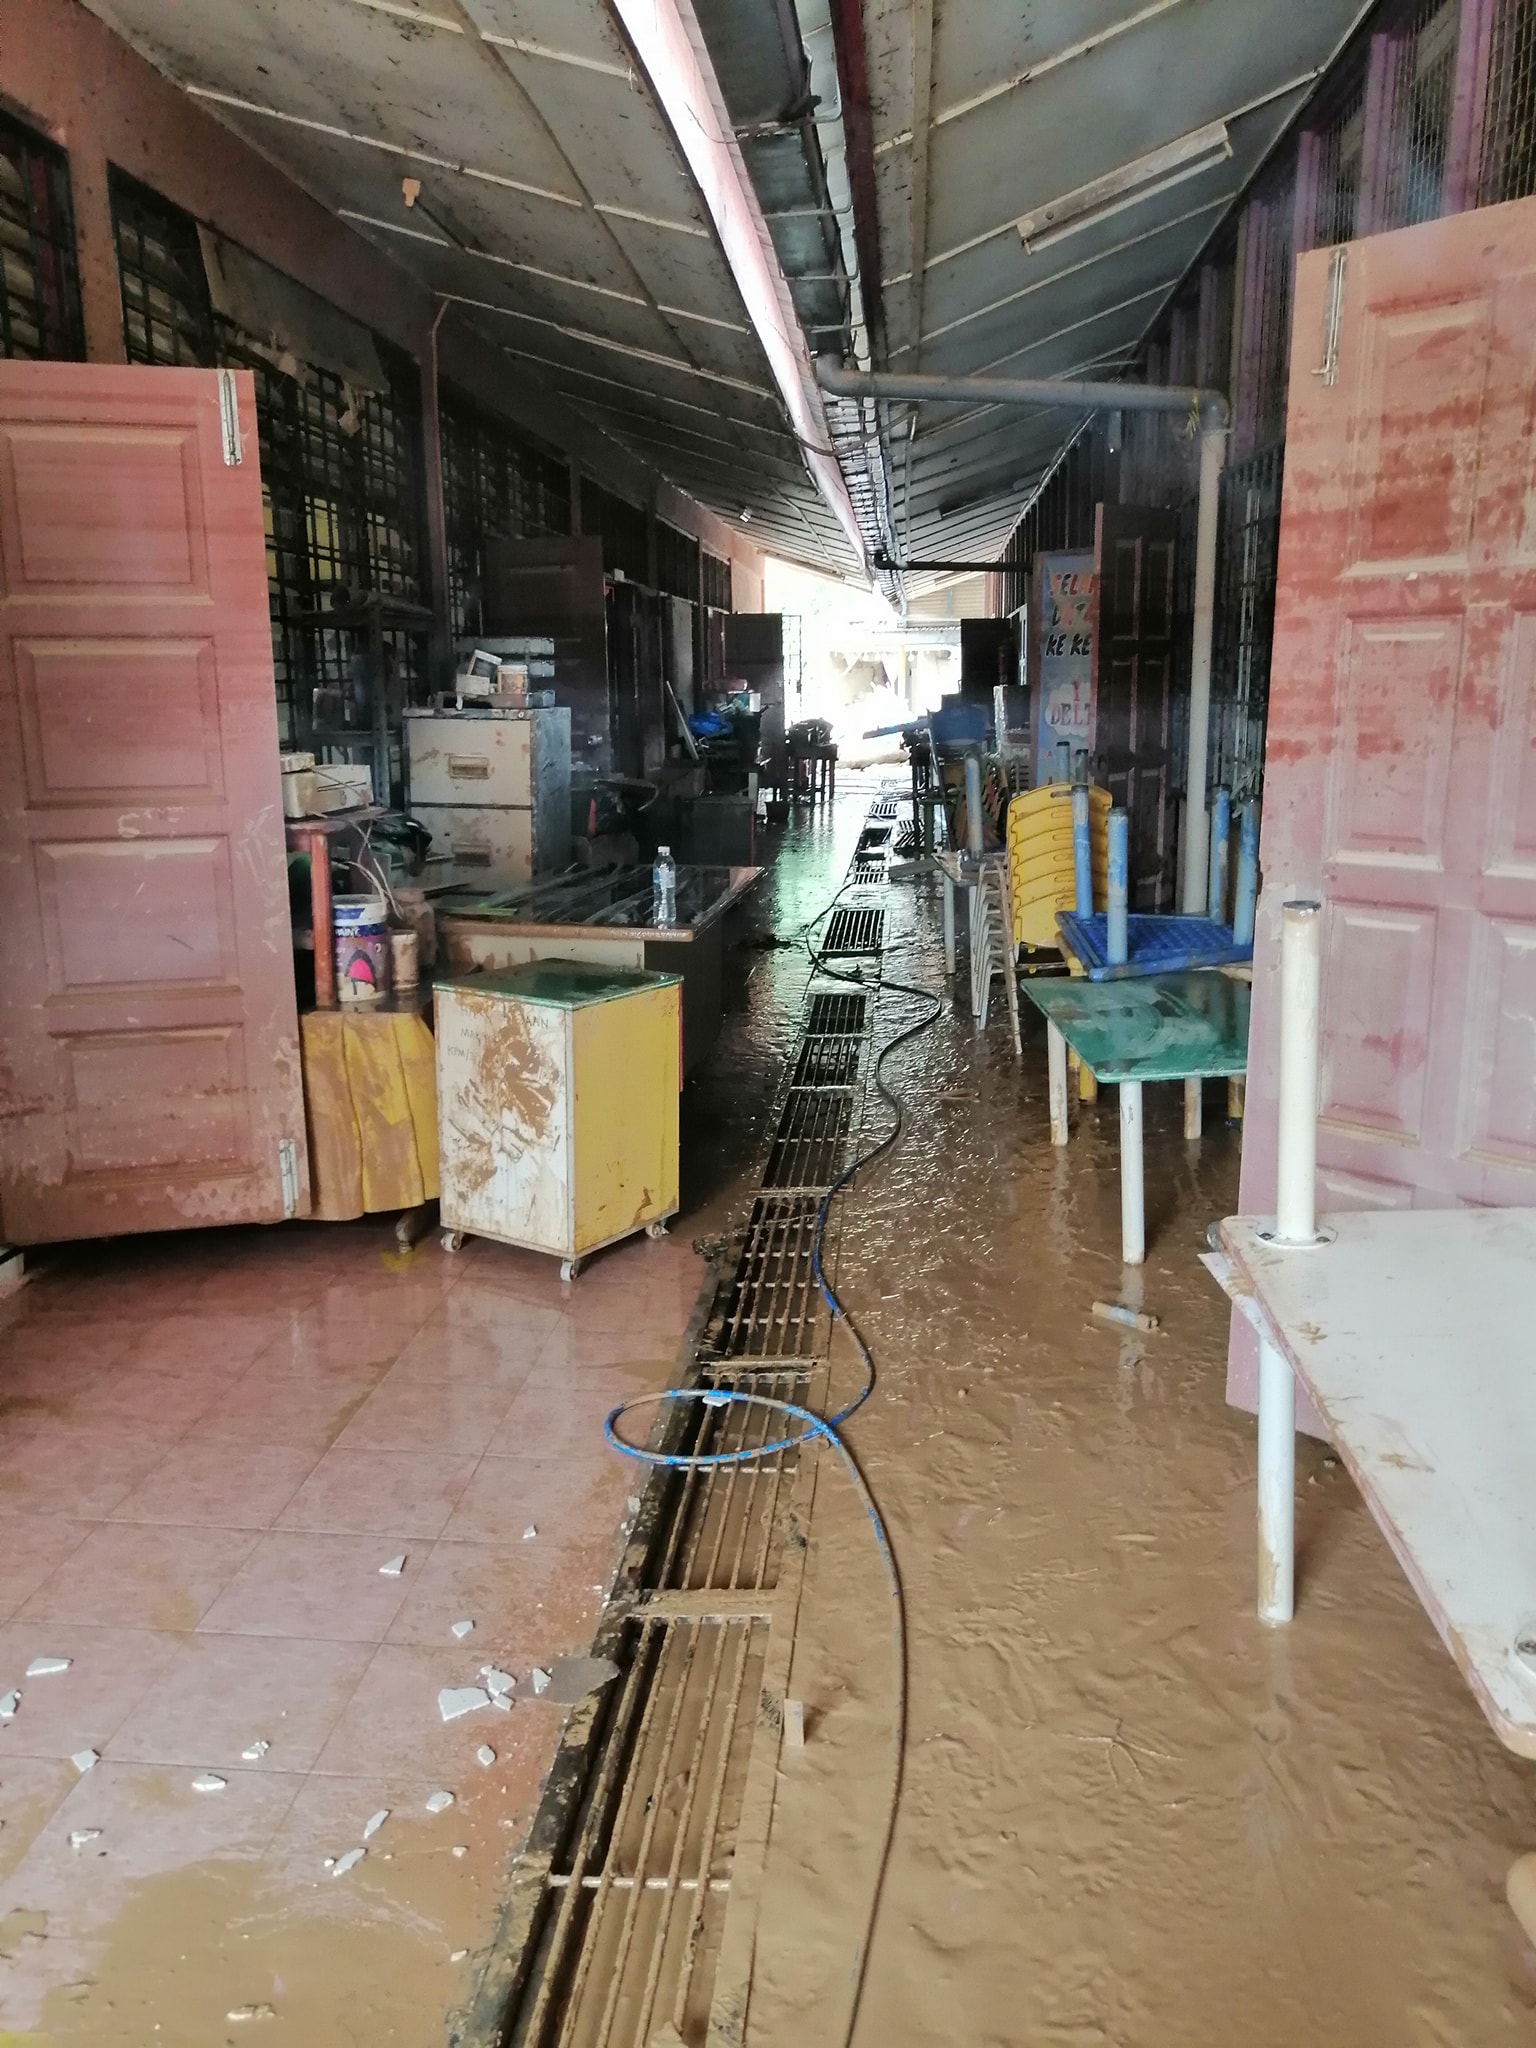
(494, 482)
(40, 285)
(167, 314)
(341, 470)
(717, 584)
(677, 562)
(622, 526)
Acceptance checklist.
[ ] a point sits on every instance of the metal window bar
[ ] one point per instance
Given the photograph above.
(1340, 148)
(1509, 131)
(40, 313)
(1421, 92)
(494, 483)
(341, 471)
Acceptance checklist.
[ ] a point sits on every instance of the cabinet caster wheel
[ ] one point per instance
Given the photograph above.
(453, 1240)
(657, 1228)
(569, 1268)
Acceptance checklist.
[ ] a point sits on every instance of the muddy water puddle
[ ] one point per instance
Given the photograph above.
(1129, 1814)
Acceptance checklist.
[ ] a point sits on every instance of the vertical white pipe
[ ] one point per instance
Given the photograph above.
(1116, 929)
(975, 830)
(1056, 1064)
(1194, 1106)
(949, 929)
(1082, 851)
(1133, 1222)
(1300, 975)
(1213, 442)
(1277, 1485)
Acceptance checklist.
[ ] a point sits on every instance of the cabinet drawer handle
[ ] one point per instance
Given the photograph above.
(468, 768)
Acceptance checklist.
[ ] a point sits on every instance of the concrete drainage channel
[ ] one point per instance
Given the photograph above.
(631, 1914)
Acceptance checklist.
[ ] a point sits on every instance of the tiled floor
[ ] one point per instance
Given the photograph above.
(208, 1447)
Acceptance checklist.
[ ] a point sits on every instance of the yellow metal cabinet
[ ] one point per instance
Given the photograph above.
(557, 1100)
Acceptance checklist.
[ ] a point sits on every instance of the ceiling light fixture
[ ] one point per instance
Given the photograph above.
(1142, 178)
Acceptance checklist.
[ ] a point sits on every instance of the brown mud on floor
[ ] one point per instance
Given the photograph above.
(1130, 1815)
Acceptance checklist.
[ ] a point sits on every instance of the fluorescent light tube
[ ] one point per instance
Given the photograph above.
(1143, 178)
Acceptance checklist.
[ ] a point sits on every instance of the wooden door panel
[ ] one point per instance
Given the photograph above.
(1400, 764)
(148, 1037)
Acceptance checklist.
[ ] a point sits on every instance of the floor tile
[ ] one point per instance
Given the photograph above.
(315, 1586)
(399, 1494)
(32, 1547)
(32, 1788)
(221, 1344)
(392, 1726)
(223, 1693)
(555, 1422)
(204, 1480)
(508, 1495)
(77, 1469)
(291, 1407)
(141, 1575)
(500, 1587)
(110, 1671)
(443, 1415)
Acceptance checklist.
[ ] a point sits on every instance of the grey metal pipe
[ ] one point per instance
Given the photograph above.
(923, 388)
(1213, 448)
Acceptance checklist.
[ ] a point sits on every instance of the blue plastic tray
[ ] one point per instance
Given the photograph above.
(1154, 944)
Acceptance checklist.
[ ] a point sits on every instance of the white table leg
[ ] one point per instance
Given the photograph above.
(1056, 1064)
(1277, 1485)
(1194, 1091)
(949, 928)
(1133, 1222)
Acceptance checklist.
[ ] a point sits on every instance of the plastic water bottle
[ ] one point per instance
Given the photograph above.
(664, 886)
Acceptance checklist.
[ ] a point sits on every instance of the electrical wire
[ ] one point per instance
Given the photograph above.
(817, 1427)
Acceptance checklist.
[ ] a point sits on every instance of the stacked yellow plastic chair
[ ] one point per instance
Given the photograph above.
(1040, 880)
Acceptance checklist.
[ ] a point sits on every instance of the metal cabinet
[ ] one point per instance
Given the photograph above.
(493, 787)
(557, 1101)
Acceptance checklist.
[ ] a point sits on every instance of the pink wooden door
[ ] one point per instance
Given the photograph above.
(1400, 765)
(149, 1057)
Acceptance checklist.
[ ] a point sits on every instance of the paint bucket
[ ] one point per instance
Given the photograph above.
(362, 948)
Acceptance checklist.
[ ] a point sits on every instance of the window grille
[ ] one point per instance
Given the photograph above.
(340, 471)
(39, 282)
(1509, 125)
(494, 482)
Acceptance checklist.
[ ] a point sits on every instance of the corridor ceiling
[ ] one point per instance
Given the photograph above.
(888, 151)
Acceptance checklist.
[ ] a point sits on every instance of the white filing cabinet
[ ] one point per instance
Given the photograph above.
(493, 787)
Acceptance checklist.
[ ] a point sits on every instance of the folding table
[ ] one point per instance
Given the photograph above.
(1160, 1027)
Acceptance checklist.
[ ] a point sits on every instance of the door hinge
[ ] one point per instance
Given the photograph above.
(229, 419)
(1333, 318)
(288, 1173)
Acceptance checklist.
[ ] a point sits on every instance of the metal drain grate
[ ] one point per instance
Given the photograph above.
(727, 1533)
(833, 1013)
(808, 1148)
(774, 1308)
(855, 931)
(630, 1921)
(637, 1904)
(831, 1062)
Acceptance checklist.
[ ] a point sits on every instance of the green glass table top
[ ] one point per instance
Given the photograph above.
(1164, 1027)
(562, 984)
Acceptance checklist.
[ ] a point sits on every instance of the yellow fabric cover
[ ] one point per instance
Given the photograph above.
(370, 1101)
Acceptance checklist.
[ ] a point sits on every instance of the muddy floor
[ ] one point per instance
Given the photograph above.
(1128, 1813)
